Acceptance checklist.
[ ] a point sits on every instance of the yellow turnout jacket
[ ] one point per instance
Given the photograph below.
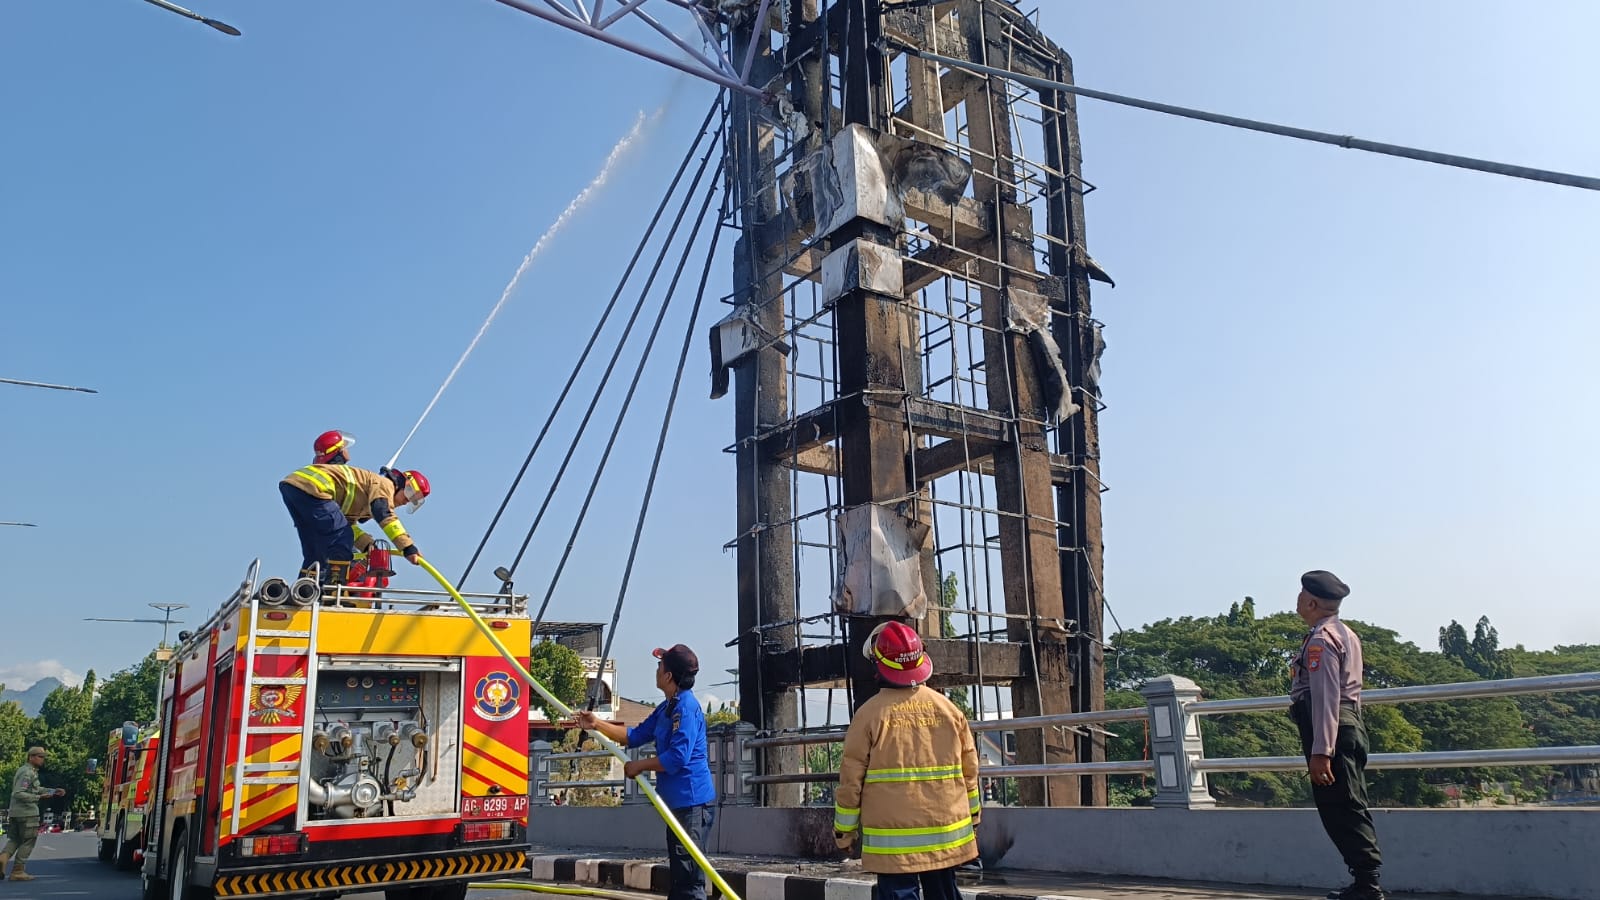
(909, 783)
(361, 494)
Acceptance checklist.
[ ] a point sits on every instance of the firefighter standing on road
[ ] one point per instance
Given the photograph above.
(26, 792)
(1326, 706)
(325, 500)
(908, 782)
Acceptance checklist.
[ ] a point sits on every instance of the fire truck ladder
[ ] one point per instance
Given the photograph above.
(284, 641)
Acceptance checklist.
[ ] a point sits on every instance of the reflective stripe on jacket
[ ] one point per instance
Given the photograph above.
(909, 782)
(358, 492)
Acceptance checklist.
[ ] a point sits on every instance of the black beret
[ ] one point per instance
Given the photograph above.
(1325, 585)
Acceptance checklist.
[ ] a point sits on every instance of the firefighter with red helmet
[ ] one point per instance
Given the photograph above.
(908, 779)
(333, 447)
(325, 501)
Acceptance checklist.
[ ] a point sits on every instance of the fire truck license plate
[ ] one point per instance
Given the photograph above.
(500, 806)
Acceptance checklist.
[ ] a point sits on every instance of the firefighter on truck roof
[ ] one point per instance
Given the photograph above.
(325, 500)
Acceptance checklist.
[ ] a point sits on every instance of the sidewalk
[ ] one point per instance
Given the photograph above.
(771, 878)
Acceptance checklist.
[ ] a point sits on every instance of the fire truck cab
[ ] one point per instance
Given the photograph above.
(322, 744)
(130, 763)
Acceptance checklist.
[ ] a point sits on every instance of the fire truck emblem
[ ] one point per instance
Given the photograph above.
(497, 696)
(272, 703)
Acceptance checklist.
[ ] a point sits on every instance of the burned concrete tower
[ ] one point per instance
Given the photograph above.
(914, 366)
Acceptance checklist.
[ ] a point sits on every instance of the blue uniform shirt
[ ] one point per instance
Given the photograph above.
(678, 728)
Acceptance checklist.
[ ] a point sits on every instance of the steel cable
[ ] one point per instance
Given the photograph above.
(638, 373)
(605, 316)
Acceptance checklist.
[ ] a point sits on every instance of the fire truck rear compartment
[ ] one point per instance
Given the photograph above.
(384, 740)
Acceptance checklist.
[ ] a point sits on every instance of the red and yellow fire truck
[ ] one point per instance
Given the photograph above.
(130, 763)
(320, 745)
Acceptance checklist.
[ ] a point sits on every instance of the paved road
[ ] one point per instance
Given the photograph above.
(65, 866)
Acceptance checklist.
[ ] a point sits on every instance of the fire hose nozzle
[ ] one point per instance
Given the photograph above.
(305, 592)
(273, 592)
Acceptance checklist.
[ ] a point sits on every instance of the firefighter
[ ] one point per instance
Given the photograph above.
(333, 447)
(908, 780)
(325, 501)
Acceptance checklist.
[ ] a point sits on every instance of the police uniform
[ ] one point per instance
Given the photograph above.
(678, 729)
(23, 830)
(1326, 707)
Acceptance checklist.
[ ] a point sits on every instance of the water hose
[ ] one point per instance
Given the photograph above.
(605, 742)
(549, 889)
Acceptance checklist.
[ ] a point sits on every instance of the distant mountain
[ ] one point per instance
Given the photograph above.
(32, 698)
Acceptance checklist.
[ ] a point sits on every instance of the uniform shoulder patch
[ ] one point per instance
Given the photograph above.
(1314, 657)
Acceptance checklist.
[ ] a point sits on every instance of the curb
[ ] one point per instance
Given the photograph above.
(748, 883)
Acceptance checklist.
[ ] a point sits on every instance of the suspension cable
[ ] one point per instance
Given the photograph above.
(661, 443)
(605, 316)
(1346, 141)
(633, 386)
(605, 379)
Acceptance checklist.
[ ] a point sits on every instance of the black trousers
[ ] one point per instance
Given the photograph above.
(685, 880)
(939, 884)
(1343, 804)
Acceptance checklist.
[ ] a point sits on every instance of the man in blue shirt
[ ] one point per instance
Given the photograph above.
(678, 729)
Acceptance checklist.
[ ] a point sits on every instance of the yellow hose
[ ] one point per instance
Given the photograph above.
(549, 889)
(610, 745)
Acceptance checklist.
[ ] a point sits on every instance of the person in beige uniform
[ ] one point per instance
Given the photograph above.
(908, 780)
(325, 501)
(23, 831)
(1326, 706)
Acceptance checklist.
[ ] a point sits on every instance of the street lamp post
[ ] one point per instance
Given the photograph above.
(223, 27)
(165, 622)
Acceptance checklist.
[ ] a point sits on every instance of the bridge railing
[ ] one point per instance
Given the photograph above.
(1178, 763)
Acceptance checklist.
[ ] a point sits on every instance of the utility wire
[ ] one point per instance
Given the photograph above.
(605, 379)
(577, 369)
(633, 387)
(661, 444)
(1322, 137)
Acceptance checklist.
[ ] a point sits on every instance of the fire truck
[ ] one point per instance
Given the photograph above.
(130, 763)
(321, 743)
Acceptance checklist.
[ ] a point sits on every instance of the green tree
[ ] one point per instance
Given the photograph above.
(62, 729)
(127, 696)
(1481, 653)
(560, 669)
(822, 758)
(949, 593)
(13, 740)
(727, 715)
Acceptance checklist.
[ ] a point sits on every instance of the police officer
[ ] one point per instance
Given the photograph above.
(1326, 706)
(26, 792)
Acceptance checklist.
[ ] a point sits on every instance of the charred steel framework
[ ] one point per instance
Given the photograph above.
(925, 395)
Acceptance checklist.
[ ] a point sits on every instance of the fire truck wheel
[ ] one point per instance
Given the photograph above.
(108, 849)
(178, 887)
(125, 847)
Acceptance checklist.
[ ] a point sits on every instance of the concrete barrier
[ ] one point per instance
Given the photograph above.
(1541, 853)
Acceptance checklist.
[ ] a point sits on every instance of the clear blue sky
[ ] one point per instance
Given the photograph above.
(1318, 358)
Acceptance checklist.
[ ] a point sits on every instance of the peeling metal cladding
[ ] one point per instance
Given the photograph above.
(862, 265)
(1028, 312)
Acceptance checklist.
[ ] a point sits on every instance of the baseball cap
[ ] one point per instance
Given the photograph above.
(680, 659)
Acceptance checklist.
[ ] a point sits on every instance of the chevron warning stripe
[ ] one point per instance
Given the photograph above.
(399, 871)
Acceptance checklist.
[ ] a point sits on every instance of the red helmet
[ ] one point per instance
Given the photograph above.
(897, 650)
(330, 446)
(416, 487)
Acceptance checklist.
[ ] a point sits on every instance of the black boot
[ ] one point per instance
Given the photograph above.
(1365, 887)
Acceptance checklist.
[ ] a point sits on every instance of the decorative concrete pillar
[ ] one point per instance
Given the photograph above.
(1175, 743)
